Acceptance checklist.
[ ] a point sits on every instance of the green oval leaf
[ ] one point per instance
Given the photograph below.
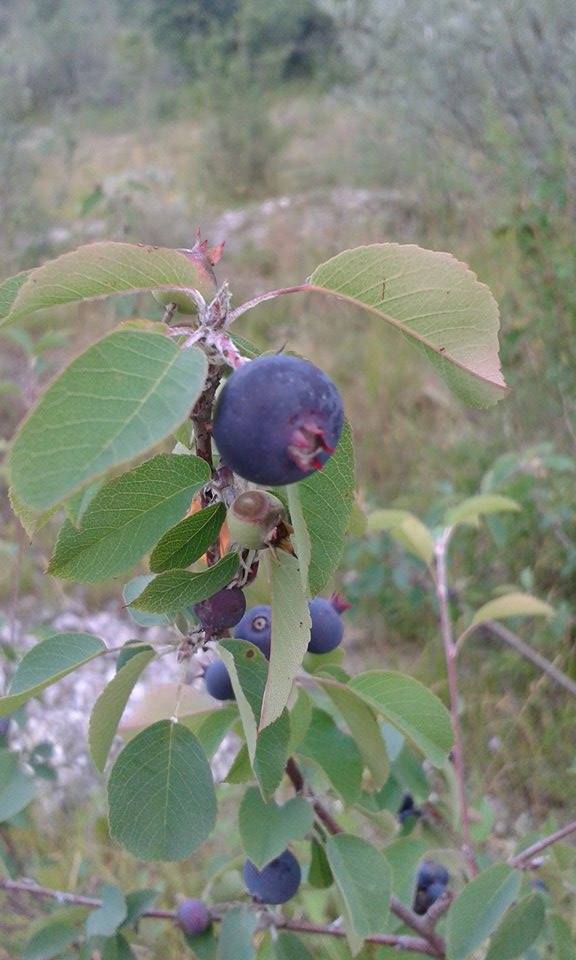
(16, 787)
(266, 829)
(161, 798)
(236, 940)
(512, 605)
(406, 703)
(50, 941)
(407, 529)
(109, 706)
(520, 928)
(470, 511)
(363, 878)
(48, 662)
(121, 397)
(336, 753)
(475, 914)
(105, 919)
(174, 590)
(435, 301)
(127, 517)
(290, 632)
(99, 270)
(363, 726)
(320, 510)
(185, 543)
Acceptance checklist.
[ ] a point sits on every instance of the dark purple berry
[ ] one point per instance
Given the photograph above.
(425, 898)
(193, 917)
(431, 872)
(256, 626)
(277, 882)
(277, 420)
(327, 627)
(218, 682)
(407, 808)
(221, 611)
(4, 727)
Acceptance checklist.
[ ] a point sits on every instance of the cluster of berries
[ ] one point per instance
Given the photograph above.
(256, 627)
(280, 879)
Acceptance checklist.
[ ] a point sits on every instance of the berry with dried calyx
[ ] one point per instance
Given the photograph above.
(253, 518)
(220, 612)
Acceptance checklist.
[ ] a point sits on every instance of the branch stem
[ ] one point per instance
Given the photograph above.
(524, 859)
(450, 654)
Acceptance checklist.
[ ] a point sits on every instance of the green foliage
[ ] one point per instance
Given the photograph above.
(109, 706)
(266, 829)
(362, 876)
(50, 940)
(521, 926)
(179, 809)
(175, 590)
(479, 909)
(16, 787)
(188, 540)
(105, 920)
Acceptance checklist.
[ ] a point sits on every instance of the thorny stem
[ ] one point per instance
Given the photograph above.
(450, 653)
(401, 942)
(420, 925)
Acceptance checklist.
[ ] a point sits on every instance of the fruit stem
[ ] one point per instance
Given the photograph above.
(201, 417)
(450, 653)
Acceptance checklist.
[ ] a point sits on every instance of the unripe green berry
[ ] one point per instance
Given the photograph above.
(253, 517)
(185, 303)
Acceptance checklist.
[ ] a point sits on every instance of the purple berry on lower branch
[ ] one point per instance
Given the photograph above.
(218, 682)
(221, 611)
(193, 917)
(277, 882)
(327, 628)
(277, 420)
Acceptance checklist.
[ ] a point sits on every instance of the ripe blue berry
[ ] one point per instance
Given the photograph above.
(193, 917)
(218, 682)
(277, 882)
(431, 872)
(327, 627)
(221, 611)
(277, 420)
(407, 808)
(256, 626)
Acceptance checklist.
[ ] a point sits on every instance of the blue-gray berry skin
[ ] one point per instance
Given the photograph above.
(277, 420)
(193, 917)
(221, 611)
(327, 627)
(277, 882)
(431, 872)
(256, 626)
(4, 727)
(218, 682)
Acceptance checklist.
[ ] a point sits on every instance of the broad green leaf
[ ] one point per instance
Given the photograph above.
(290, 632)
(406, 703)
(137, 903)
(521, 926)
(512, 605)
(9, 290)
(188, 540)
(133, 589)
(435, 302)
(50, 941)
(161, 798)
(476, 913)
(320, 509)
(288, 946)
(204, 946)
(562, 937)
(105, 919)
(105, 268)
(266, 829)
(470, 511)
(300, 717)
(127, 517)
(404, 856)
(363, 726)
(117, 948)
(241, 769)
(48, 662)
(237, 934)
(121, 397)
(319, 872)
(363, 878)
(77, 505)
(175, 590)
(32, 520)
(268, 749)
(16, 787)
(110, 705)
(336, 753)
(407, 529)
(211, 728)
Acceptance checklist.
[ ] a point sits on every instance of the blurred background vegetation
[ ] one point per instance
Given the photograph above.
(293, 129)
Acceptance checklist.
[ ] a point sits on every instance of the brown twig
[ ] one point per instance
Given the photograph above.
(524, 859)
(526, 651)
(400, 941)
(450, 653)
